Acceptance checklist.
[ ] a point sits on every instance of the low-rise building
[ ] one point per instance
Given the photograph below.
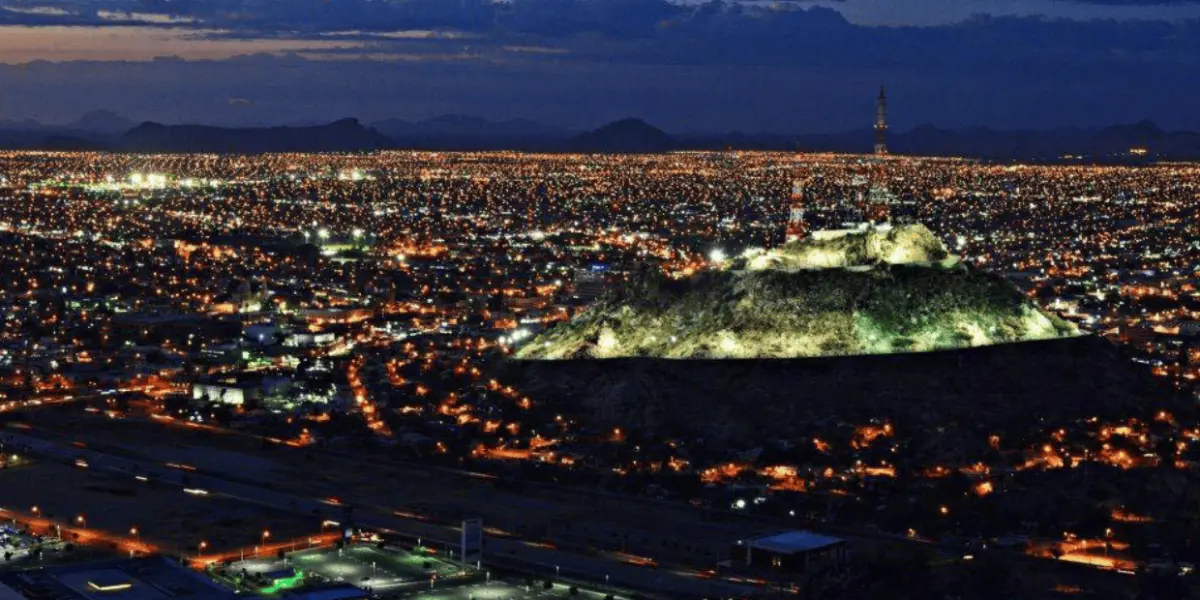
(793, 551)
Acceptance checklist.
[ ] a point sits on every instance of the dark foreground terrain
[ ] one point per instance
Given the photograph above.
(965, 395)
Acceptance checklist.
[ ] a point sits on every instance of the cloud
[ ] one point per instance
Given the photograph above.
(22, 44)
(686, 64)
(618, 18)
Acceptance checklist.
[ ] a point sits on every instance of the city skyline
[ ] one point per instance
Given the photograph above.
(599, 299)
(929, 351)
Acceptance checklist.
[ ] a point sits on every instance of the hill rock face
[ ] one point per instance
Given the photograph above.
(902, 245)
(888, 294)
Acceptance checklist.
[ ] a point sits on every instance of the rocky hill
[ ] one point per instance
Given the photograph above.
(890, 299)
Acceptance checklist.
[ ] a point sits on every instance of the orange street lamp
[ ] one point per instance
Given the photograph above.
(36, 510)
(82, 521)
(203, 545)
(266, 534)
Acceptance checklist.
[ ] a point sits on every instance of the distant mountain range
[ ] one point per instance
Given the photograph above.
(104, 130)
(96, 121)
(340, 136)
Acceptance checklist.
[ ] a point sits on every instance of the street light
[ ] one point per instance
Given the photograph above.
(202, 546)
(82, 521)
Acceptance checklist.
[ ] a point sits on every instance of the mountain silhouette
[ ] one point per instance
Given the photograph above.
(102, 129)
(624, 136)
(100, 121)
(345, 135)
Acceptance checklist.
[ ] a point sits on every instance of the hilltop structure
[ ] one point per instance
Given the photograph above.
(797, 228)
(881, 123)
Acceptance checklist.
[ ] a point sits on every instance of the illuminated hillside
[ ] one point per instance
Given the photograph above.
(778, 304)
(904, 244)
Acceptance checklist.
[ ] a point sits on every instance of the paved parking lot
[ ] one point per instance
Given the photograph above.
(405, 575)
(364, 566)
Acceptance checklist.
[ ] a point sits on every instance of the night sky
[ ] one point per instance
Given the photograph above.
(686, 65)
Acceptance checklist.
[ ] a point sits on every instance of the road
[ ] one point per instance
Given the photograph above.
(501, 552)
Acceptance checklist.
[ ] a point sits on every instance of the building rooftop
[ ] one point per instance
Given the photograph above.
(154, 578)
(792, 542)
